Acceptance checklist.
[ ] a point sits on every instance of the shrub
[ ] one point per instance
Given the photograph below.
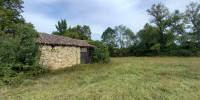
(18, 53)
(99, 53)
(184, 52)
(189, 48)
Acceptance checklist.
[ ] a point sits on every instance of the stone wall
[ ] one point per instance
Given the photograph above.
(59, 56)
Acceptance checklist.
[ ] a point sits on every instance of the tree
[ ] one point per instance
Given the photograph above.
(87, 31)
(79, 32)
(10, 11)
(61, 27)
(118, 40)
(129, 37)
(192, 14)
(177, 26)
(124, 36)
(170, 26)
(20, 48)
(160, 17)
(109, 38)
(149, 39)
(149, 35)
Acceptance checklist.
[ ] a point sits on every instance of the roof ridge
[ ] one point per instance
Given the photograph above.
(51, 39)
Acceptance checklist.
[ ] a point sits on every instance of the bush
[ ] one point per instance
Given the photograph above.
(18, 53)
(99, 53)
(190, 48)
(184, 52)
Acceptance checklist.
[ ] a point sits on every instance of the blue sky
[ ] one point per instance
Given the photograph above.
(98, 14)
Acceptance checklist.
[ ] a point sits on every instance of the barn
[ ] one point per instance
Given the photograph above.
(59, 51)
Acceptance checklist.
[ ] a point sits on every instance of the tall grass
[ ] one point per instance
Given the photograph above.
(123, 78)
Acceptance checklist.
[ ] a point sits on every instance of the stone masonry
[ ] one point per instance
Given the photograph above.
(55, 57)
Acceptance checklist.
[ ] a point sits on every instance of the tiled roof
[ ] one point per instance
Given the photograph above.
(50, 39)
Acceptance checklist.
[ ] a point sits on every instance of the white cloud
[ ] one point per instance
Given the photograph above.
(180, 5)
(48, 1)
(42, 23)
(98, 14)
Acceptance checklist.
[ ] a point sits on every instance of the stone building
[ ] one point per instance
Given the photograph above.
(59, 51)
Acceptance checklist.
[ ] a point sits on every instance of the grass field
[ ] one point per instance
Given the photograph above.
(123, 78)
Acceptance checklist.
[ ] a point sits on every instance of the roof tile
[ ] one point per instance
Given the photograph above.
(50, 39)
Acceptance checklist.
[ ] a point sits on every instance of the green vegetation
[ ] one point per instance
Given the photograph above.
(10, 16)
(167, 34)
(122, 78)
(99, 53)
(61, 27)
(118, 40)
(19, 53)
(192, 14)
(77, 32)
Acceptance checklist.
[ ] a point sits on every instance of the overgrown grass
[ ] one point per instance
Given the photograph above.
(123, 78)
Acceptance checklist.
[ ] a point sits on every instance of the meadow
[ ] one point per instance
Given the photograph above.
(152, 78)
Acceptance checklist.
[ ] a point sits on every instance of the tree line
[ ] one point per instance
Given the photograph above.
(77, 32)
(166, 34)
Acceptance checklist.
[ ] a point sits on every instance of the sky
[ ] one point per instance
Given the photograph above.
(98, 14)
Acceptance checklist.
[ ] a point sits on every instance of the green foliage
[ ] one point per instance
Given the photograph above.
(100, 52)
(109, 38)
(118, 40)
(168, 34)
(160, 17)
(149, 35)
(125, 37)
(177, 26)
(148, 42)
(61, 27)
(77, 32)
(192, 15)
(121, 52)
(156, 47)
(10, 11)
(189, 48)
(18, 53)
(168, 24)
(86, 31)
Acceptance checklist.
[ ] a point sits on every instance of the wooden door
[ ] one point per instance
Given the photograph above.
(84, 56)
